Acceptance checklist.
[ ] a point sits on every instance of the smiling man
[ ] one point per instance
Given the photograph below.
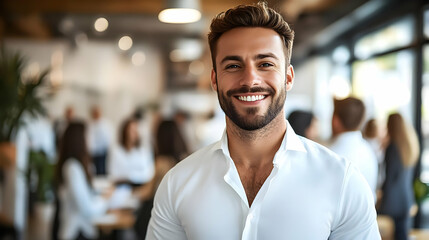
(261, 180)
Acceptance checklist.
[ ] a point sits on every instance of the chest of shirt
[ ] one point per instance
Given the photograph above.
(289, 206)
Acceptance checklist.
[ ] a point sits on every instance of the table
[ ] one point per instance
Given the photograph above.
(118, 219)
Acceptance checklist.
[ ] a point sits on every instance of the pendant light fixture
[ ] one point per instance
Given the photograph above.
(180, 11)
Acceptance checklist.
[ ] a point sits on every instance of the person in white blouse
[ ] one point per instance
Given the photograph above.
(79, 205)
(261, 180)
(130, 162)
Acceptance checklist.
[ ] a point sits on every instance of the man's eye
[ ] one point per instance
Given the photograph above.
(266, 65)
(232, 66)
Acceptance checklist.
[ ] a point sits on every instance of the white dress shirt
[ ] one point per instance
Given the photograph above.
(79, 204)
(136, 165)
(355, 148)
(99, 136)
(311, 194)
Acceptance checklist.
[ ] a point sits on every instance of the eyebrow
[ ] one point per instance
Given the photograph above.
(232, 58)
(266, 55)
(240, 59)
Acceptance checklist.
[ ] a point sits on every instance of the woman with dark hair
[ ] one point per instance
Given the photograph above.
(78, 203)
(401, 156)
(304, 124)
(130, 162)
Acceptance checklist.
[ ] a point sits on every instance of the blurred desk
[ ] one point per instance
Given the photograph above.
(122, 202)
(118, 219)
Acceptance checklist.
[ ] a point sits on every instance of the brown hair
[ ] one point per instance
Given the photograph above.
(170, 142)
(73, 145)
(350, 111)
(405, 137)
(371, 129)
(124, 133)
(256, 15)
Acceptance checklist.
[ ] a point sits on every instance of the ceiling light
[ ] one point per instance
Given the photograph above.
(180, 11)
(101, 24)
(125, 43)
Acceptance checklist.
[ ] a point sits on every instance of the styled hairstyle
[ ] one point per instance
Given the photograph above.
(405, 138)
(73, 145)
(256, 15)
(300, 121)
(124, 133)
(350, 111)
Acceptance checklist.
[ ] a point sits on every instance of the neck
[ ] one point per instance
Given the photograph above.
(258, 147)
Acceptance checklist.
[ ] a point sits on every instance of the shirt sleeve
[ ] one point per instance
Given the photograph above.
(87, 203)
(356, 217)
(164, 223)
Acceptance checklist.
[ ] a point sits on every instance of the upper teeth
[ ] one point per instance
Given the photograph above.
(251, 98)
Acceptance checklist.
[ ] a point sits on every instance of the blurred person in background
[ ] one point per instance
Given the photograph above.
(187, 126)
(145, 122)
(78, 204)
(130, 162)
(401, 156)
(348, 142)
(41, 134)
(260, 180)
(99, 139)
(304, 124)
(373, 134)
(61, 124)
(170, 142)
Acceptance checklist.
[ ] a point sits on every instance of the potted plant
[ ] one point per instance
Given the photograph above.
(18, 95)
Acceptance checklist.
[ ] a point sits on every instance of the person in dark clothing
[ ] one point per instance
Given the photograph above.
(401, 156)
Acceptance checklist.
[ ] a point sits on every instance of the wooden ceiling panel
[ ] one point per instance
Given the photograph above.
(109, 6)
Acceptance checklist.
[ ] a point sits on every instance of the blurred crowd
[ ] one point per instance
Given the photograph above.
(385, 153)
(145, 149)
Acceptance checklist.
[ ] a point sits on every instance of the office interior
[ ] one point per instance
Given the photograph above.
(118, 55)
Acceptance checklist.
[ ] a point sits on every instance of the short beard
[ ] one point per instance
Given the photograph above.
(258, 122)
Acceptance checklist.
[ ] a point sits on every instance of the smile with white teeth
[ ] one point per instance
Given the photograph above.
(251, 98)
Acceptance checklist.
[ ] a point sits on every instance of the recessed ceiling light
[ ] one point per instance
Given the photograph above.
(125, 43)
(101, 24)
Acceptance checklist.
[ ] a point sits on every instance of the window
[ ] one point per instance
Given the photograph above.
(385, 84)
(425, 116)
(396, 35)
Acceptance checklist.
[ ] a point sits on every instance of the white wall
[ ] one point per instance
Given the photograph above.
(96, 73)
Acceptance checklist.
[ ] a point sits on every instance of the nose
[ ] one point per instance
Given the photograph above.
(250, 77)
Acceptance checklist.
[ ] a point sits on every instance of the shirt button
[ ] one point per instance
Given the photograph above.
(250, 217)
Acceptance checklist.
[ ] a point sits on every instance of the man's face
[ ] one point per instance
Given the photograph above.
(251, 78)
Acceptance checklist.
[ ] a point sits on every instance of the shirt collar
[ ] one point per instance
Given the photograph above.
(290, 142)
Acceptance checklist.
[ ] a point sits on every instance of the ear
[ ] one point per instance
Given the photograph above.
(290, 75)
(213, 80)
